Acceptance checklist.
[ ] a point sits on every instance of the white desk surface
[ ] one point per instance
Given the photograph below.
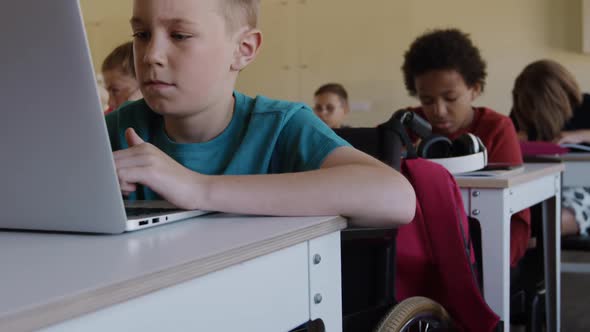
(51, 277)
(530, 171)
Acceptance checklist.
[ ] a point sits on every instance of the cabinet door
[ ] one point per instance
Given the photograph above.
(355, 43)
(274, 72)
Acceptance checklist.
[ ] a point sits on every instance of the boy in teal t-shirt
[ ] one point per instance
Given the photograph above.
(264, 136)
(197, 143)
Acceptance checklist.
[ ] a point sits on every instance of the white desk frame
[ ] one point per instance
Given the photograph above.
(493, 201)
(272, 275)
(577, 173)
(577, 169)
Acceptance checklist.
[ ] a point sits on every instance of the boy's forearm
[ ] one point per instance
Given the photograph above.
(375, 196)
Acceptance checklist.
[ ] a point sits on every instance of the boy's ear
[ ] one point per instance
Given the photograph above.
(345, 105)
(475, 91)
(248, 45)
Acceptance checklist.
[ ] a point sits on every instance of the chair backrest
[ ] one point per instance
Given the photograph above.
(368, 254)
(378, 142)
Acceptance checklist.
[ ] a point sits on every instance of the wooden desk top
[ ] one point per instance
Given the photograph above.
(51, 277)
(530, 172)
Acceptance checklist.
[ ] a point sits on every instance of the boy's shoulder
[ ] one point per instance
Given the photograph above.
(264, 105)
(491, 114)
(488, 116)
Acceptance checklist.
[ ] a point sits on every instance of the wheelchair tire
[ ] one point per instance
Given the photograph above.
(415, 314)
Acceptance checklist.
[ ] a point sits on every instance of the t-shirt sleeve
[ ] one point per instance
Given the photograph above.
(304, 142)
(505, 146)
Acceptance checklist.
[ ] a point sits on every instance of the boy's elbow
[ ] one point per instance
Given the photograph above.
(408, 211)
(405, 205)
(397, 206)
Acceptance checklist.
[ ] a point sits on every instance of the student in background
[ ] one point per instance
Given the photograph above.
(446, 72)
(103, 94)
(199, 144)
(331, 104)
(547, 105)
(118, 72)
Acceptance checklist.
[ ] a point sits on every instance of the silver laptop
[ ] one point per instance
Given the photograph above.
(57, 171)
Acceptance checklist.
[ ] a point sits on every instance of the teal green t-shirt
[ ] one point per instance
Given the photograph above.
(265, 136)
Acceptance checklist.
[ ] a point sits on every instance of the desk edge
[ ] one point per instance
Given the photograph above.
(78, 305)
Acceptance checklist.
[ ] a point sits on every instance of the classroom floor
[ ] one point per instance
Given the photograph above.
(575, 295)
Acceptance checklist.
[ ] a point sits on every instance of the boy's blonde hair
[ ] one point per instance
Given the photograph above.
(544, 97)
(121, 58)
(239, 13)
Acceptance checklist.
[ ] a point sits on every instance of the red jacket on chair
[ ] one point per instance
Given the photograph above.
(434, 254)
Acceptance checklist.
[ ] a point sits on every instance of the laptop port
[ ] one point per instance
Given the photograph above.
(143, 223)
(155, 220)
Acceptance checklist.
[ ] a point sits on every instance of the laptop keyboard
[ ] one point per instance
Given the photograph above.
(137, 211)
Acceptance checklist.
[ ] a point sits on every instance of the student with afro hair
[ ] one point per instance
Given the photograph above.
(445, 71)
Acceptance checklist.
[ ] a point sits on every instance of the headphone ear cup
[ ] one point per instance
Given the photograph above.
(435, 146)
(465, 145)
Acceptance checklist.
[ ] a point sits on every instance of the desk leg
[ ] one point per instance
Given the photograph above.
(325, 286)
(552, 250)
(490, 207)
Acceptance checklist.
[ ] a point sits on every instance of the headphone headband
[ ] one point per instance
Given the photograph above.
(465, 154)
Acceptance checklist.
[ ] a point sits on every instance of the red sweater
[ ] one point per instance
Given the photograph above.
(499, 137)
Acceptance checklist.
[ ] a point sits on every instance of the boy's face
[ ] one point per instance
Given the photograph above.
(183, 54)
(121, 87)
(330, 108)
(446, 100)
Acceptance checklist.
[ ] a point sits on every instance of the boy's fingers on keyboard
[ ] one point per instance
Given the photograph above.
(144, 175)
(134, 151)
(133, 161)
(127, 187)
(139, 156)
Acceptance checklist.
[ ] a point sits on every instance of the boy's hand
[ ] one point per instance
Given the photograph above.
(143, 163)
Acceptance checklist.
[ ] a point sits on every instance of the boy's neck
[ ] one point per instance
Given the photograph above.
(202, 126)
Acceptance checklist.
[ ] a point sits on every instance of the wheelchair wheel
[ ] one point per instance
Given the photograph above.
(418, 314)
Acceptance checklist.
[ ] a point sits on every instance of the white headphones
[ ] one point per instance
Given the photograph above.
(465, 154)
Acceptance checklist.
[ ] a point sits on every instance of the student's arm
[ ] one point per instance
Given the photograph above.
(575, 136)
(348, 183)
